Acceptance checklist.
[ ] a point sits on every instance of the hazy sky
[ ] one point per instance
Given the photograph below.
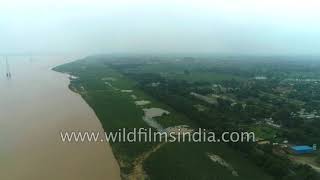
(160, 26)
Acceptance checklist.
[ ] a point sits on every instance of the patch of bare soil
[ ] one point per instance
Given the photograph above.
(138, 172)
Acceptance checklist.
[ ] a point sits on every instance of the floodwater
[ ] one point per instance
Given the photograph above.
(35, 105)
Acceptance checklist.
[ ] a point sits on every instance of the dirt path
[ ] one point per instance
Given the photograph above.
(306, 160)
(138, 173)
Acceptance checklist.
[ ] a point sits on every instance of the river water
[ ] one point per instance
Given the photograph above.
(35, 105)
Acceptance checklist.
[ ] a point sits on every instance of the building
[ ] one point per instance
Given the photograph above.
(301, 149)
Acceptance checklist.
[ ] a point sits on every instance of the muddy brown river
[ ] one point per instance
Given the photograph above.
(35, 105)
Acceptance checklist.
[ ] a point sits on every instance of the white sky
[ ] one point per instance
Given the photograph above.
(160, 26)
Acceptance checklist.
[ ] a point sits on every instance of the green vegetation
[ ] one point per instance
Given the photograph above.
(190, 161)
(263, 131)
(203, 76)
(278, 100)
(114, 108)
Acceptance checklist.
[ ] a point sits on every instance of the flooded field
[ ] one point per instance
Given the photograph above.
(35, 105)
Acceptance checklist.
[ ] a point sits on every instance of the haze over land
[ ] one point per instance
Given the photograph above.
(238, 78)
(284, 27)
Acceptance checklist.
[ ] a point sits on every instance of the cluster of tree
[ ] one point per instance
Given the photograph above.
(278, 166)
(307, 92)
(225, 117)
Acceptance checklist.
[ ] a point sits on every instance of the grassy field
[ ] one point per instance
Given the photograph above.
(263, 131)
(116, 109)
(190, 161)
